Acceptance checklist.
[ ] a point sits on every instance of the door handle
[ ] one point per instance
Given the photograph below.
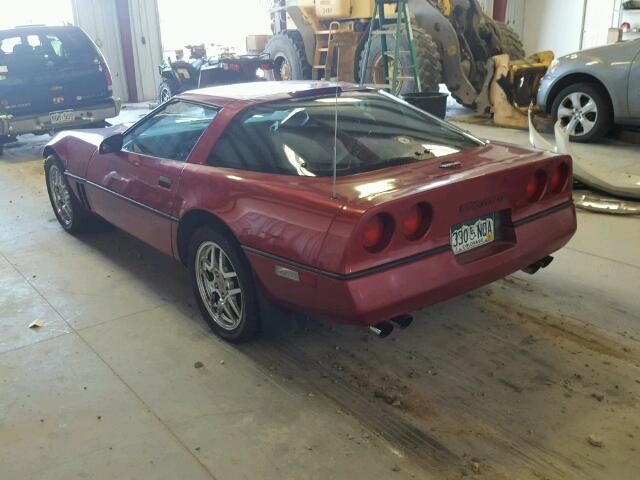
(164, 182)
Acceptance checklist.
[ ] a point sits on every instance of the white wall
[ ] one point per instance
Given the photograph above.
(558, 25)
(27, 12)
(553, 25)
(598, 19)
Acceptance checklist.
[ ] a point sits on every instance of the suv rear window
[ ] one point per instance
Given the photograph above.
(296, 137)
(31, 49)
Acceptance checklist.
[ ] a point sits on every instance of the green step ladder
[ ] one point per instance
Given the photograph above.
(377, 27)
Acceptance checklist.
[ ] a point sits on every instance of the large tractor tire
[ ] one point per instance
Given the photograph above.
(428, 57)
(289, 59)
(510, 42)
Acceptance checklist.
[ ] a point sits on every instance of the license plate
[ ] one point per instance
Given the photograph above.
(62, 117)
(473, 234)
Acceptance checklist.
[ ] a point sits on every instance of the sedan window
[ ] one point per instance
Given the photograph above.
(296, 137)
(170, 132)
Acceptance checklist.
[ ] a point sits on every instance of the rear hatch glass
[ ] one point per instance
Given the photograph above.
(45, 70)
(296, 136)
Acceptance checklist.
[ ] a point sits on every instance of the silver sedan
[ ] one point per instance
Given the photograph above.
(591, 90)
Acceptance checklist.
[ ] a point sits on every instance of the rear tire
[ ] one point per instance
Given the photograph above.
(287, 52)
(585, 110)
(71, 215)
(510, 42)
(223, 285)
(428, 58)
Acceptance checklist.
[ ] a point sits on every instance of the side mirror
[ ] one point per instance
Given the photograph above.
(111, 144)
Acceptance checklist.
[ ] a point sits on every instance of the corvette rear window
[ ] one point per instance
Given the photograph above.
(296, 137)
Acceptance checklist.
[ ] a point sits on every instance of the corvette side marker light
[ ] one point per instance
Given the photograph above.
(287, 273)
(294, 276)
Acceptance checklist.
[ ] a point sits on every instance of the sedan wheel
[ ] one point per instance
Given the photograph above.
(578, 113)
(219, 286)
(584, 111)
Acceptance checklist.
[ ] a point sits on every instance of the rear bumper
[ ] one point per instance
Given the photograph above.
(41, 122)
(380, 295)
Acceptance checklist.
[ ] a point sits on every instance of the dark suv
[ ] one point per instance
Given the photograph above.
(52, 78)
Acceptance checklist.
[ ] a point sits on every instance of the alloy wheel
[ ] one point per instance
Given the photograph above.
(219, 285)
(60, 195)
(578, 113)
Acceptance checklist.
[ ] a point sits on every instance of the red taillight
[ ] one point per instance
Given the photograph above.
(559, 177)
(266, 66)
(535, 186)
(373, 232)
(233, 66)
(416, 221)
(376, 233)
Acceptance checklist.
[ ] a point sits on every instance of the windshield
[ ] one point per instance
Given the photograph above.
(296, 136)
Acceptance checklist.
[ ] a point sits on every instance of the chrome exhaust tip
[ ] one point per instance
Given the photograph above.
(534, 267)
(382, 330)
(403, 321)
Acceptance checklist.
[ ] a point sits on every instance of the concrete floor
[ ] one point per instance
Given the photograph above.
(507, 382)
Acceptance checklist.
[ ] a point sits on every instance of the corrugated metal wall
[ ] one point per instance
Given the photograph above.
(147, 46)
(99, 18)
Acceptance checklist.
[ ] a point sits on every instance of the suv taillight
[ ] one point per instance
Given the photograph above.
(108, 78)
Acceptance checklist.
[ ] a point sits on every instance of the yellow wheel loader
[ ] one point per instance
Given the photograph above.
(325, 39)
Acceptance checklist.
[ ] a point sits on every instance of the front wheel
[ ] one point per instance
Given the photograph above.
(584, 111)
(223, 285)
(67, 209)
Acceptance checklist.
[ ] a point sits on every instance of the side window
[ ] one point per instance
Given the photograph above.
(71, 46)
(171, 132)
(8, 44)
(245, 144)
(56, 46)
(21, 53)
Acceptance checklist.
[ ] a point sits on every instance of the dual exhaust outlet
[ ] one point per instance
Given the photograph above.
(534, 267)
(384, 329)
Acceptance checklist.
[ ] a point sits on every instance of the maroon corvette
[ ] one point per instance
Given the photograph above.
(255, 189)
